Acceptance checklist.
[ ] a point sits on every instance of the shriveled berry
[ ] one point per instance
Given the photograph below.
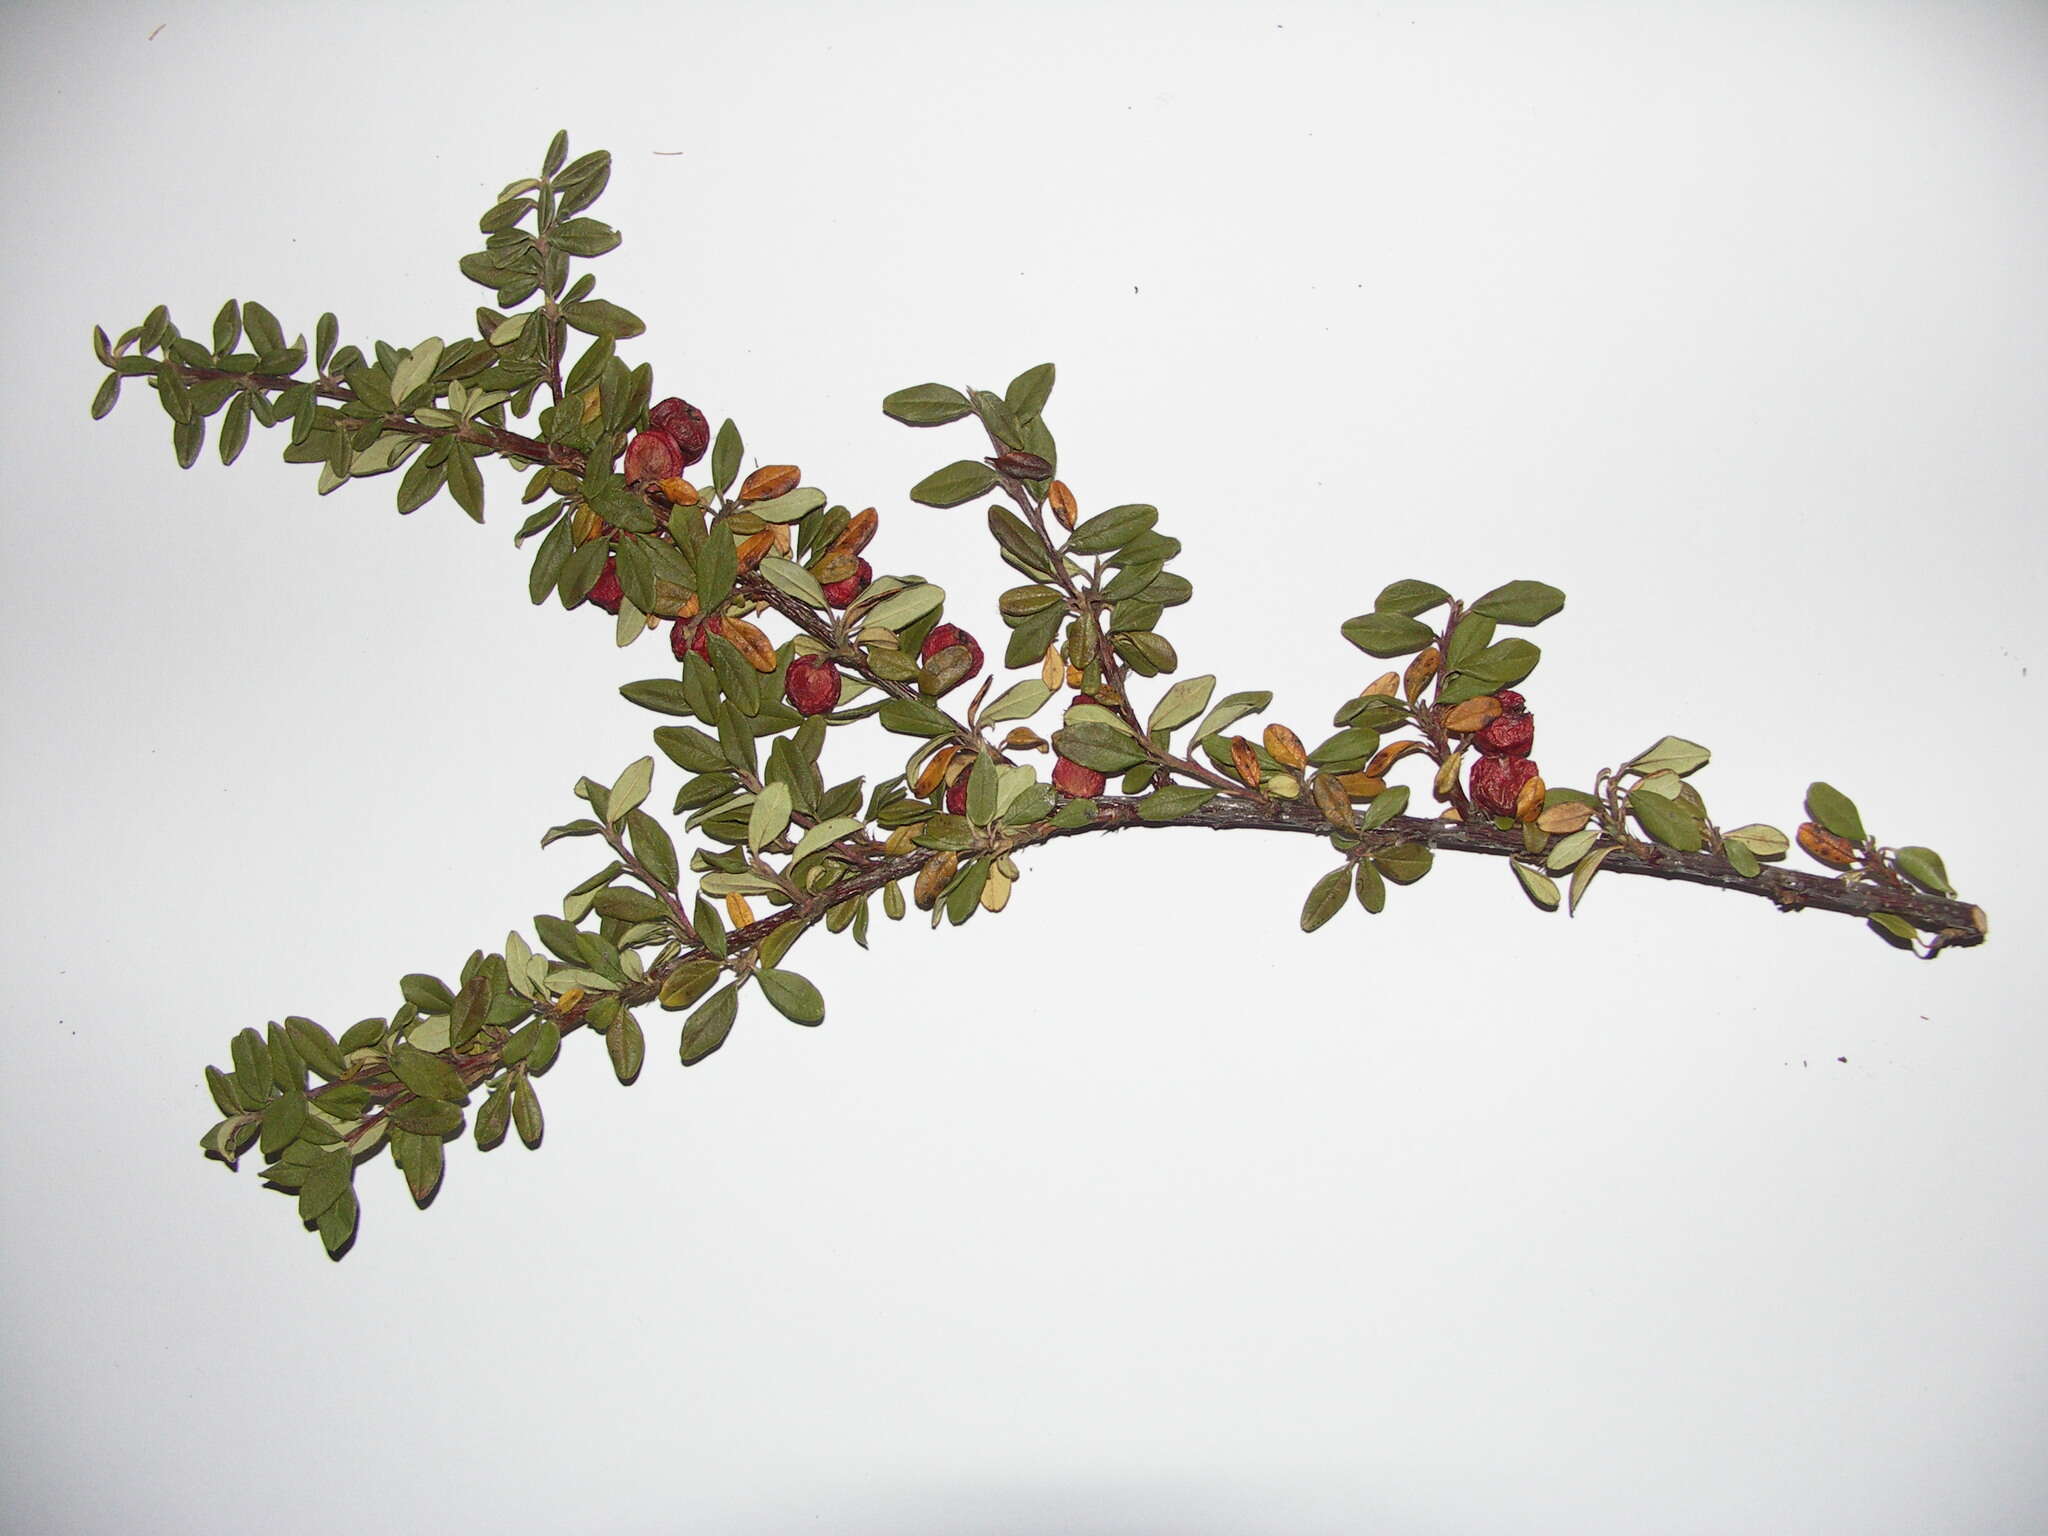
(1070, 778)
(694, 635)
(1497, 783)
(606, 591)
(1512, 732)
(653, 455)
(812, 685)
(686, 424)
(944, 635)
(840, 593)
(956, 796)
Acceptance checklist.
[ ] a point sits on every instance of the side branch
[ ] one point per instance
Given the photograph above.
(1953, 923)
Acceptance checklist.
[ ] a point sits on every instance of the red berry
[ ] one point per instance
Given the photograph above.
(1070, 778)
(653, 455)
(686, 424)
(812, 685)
(943, 637)
(1497, 783)
(840, 593)
(695, 635)
(956, 796)
(1511, 733)
(606, 591)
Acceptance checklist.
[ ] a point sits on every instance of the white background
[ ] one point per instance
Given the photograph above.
(1134, 1209)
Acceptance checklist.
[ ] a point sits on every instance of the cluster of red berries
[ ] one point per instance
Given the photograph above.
(1504, 767)
(677, 436)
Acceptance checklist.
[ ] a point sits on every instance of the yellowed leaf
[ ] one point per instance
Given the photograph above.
(1333, 802)
(1284, 747)
(1826, 847)
(1361, 786)
(933, 773)
(1447, 775)
(1385, 686)
(770, 481)
(752, 644)
(933, 879)
(1564, 817)
(853, 538)
(1419, 672)
(1389, 755)
(1052, 669)
(1246, 759)
(1471, 715)
(1061, 500)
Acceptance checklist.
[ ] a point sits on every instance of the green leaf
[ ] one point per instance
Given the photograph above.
(1173, 802)
(1540, 887)
(791, 579)
(790, 507)
(1111, 530)
(598, 317)
(1520, 602)
(823, 836)
(425, 1074)
(1765, 842)
(1667, 821)
(1404, 863)
(325, 1182)
(465, 484)
(1372, 889)
(725, 456)
(1324, 898)
(1894, 930)
(283, 1119)
(526, 1116)
(626, 1044)
(1232, 708)
(1015, 538)
(1740, 858)
(903, 609)
(663, 695)
(1924, 868)
(1020, 701)
(653, 847)
(1671, 754)
(913, 717)
(1386, 805)
(1834, 811)
(926, 405)
(1568, 850)
(318, 1047)
(1409, 598)
(791, 995)
(687, 983)
(1352, 745)
(629, 791)
(1101, 747)
(1180, 704)
(1387, 634)
(428, 994)
(1582, 877)
(962, 480)
(1503, 663)
(1029, 391)
(769, 817)
(705, 1030)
